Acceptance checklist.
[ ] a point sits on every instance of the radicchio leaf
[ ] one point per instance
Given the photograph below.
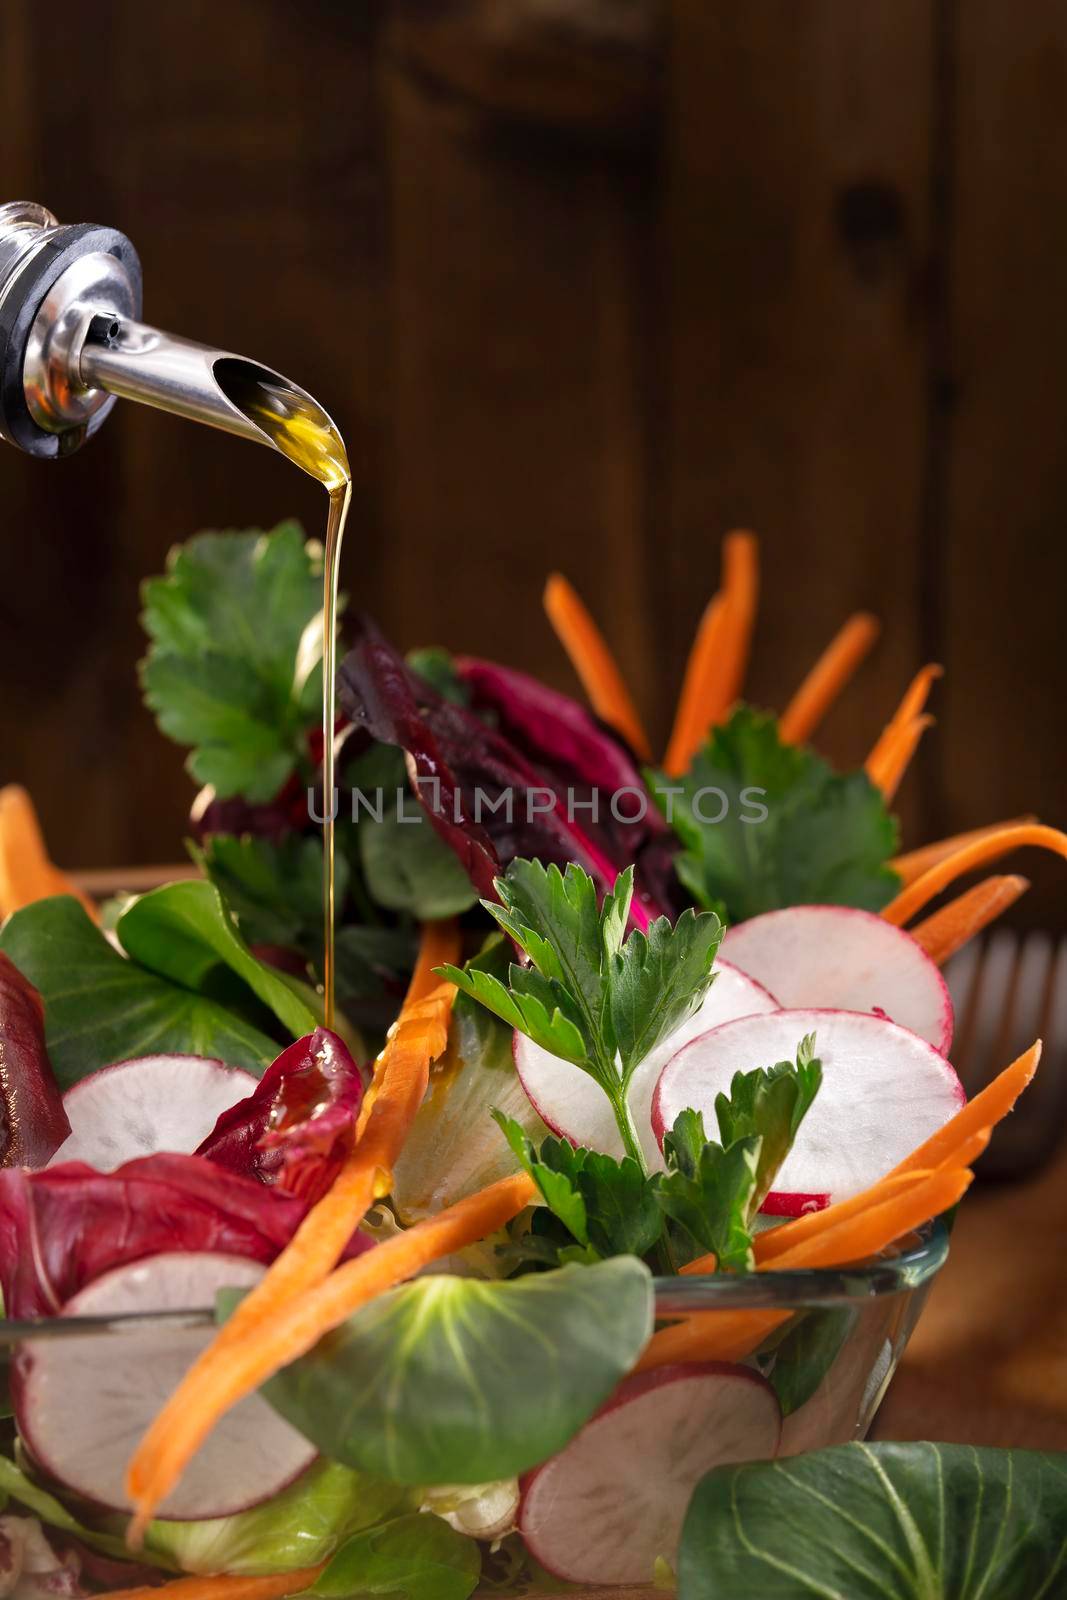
(61, 1228)
(298, 1126)
(462, 768)
(33, 1123)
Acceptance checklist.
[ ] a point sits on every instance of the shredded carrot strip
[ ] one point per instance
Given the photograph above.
(716, 667)
(898, 741)
(191, 1413)
(439, 946)
(731, 1335)
(947, 930)
(912, 865)
(910, 901)
(418, 1037)
(275, 1587)
(888, 773)
(828, 677)
(987, 1108)
(26, 870)
(594, 663)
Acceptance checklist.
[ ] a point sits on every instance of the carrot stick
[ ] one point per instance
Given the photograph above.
(439, 946)
(912, 865)
(731, 1335)
(594, 663)
(896, 744)
(274, 1587)
(26, 870)
(887, 771)
(717, 661)
(910, 901)
(942, 934)
(828, 677)
(193, 1410)
(987, 1108)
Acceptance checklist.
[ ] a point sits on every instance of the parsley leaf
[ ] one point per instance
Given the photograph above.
(826, 838)
(229, 670)
(590, 996)
(608, 1207)
(770, 1103)
(710, 1190)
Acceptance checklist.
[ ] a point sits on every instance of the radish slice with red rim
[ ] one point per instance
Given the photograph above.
(846, 959)
(569, 1101)
(83, 1402)
(150, 1103)
(614, 1500)
(884, 1090)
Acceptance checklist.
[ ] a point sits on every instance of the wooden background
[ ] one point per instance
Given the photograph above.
(586, 283)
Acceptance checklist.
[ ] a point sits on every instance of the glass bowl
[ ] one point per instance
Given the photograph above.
(838, 1336)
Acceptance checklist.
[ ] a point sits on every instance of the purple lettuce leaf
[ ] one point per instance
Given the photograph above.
(461, 767)
(33, 1123)
(61, 1228)
(295, 1131)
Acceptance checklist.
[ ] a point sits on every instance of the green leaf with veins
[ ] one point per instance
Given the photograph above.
(227, 670)
(456, 1380)
(770, 1103)
(101, 1008)
(417, 1557)
(184, 932)
(407, 867)
(553, 916)
(827, 837)
(709, 1190)
(273, 889)
(880, 1522)
(539, 1018)
(658, 980)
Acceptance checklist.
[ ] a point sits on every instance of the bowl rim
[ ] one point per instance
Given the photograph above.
(797, 1289)
(810, 1287)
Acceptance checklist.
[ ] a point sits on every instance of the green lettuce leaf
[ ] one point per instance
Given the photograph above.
(298, 1528)
(416, 1557)
(881, 1522)
(100, 1007)
(184, 932)
(826, 838)
(17, 1485)
(454, 1380)
(232, 668)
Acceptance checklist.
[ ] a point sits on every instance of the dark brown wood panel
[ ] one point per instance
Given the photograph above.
(795, 235)
(1004, 572)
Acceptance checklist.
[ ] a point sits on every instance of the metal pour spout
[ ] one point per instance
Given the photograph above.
(136, 362)
(70, 343)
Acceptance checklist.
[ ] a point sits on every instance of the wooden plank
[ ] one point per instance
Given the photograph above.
(517, 436)
(797, 159)
(1004, 559)
(246, 179)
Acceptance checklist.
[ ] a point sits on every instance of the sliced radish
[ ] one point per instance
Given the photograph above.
(83, 1403)
(614, 1500)
(847, 959)
(147, 1104)
(573, 1106)
(884, 1090)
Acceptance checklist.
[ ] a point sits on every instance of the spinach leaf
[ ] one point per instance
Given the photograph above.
(184, 932)
(273, 889)
(881, 1522)
(417, 1557)
(825, 838)
(407, 867)
(456, 1380)
(100, 1008)
(806, 1354)
(228, 670)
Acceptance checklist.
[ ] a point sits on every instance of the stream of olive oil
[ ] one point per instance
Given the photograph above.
(302, 431)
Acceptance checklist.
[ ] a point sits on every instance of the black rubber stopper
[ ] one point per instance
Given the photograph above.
(21, 305)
